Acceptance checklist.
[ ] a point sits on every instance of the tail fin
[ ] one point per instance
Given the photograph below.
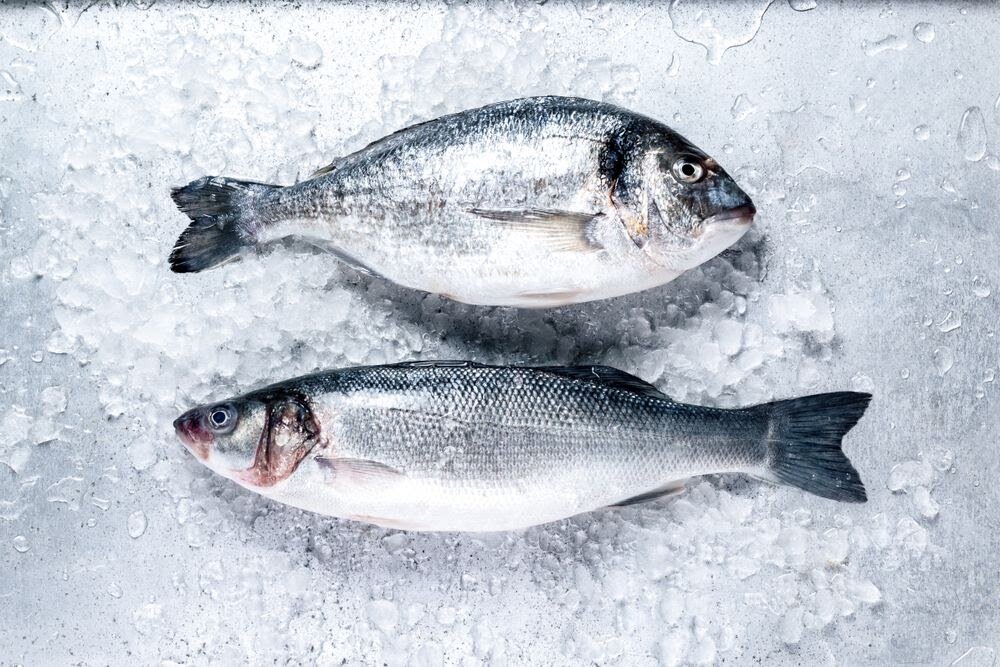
(805, 440)
(223, 221)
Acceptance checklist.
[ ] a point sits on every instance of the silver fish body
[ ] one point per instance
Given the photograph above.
(534, 202)
(458, 446)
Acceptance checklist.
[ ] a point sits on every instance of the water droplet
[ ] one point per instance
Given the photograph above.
(136, 524)
(950, 322)
(905, 373)
(802, 5)
(20, 544)
(903, 174)
(862, 382)
(68, 490)
(10, 89)
(972, 134)
(924, 32)
(989, 376)
(114, 590)
(675, 65)
(37, 356)
(922, 132)
(948, 186)
(742, 107)
(889, 43)
(718, 27)
(950, 636)
(977, 656)
(898, 189)
(944, 359)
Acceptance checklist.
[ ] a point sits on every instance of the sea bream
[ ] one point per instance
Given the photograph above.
(461, 446)
(534, 202)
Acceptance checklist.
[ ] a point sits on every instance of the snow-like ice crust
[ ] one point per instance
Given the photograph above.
(867, 149)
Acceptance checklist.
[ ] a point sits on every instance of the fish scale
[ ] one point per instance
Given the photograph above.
(465, 446)
(536, 202)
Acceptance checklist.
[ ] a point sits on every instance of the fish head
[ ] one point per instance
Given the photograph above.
(256, 440)
(686, 208)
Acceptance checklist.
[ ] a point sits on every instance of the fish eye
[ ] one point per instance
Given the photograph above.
(221, 418)
(687, 170)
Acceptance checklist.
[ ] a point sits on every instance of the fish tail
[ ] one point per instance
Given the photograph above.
(224, 221)
(804, 443)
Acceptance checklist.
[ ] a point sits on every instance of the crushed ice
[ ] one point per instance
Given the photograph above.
(724, 562)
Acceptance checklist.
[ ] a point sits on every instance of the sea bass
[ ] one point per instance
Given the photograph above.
(461, 446)
(534, 202)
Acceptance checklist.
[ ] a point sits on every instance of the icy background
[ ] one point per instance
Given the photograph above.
(866, 135)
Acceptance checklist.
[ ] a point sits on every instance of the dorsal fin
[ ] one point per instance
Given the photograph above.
(608, 376)
(386, 140)
(443, 363)
(325, 169)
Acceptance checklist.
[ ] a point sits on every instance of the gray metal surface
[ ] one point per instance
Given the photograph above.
(864, 133)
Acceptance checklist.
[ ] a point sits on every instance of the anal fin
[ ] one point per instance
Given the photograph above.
(665, 491)
(344, 257)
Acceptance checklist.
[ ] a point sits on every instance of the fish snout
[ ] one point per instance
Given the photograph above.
(739, 215)
(192, 431)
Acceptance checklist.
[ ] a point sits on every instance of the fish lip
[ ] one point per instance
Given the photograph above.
(193, 435)
(741, 215)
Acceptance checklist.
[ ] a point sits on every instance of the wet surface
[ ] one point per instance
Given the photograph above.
(867, 138)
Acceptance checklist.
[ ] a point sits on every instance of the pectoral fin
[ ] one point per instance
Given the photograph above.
(358, 471)
(558, 230)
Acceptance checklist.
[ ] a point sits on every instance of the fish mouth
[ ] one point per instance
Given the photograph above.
(741, 215)
(194, 435)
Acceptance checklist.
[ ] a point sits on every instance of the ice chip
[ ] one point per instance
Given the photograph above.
(305, 52)
(924, 503)
(136, 524)
(53, 401)
(910, 475)
(384, 615)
